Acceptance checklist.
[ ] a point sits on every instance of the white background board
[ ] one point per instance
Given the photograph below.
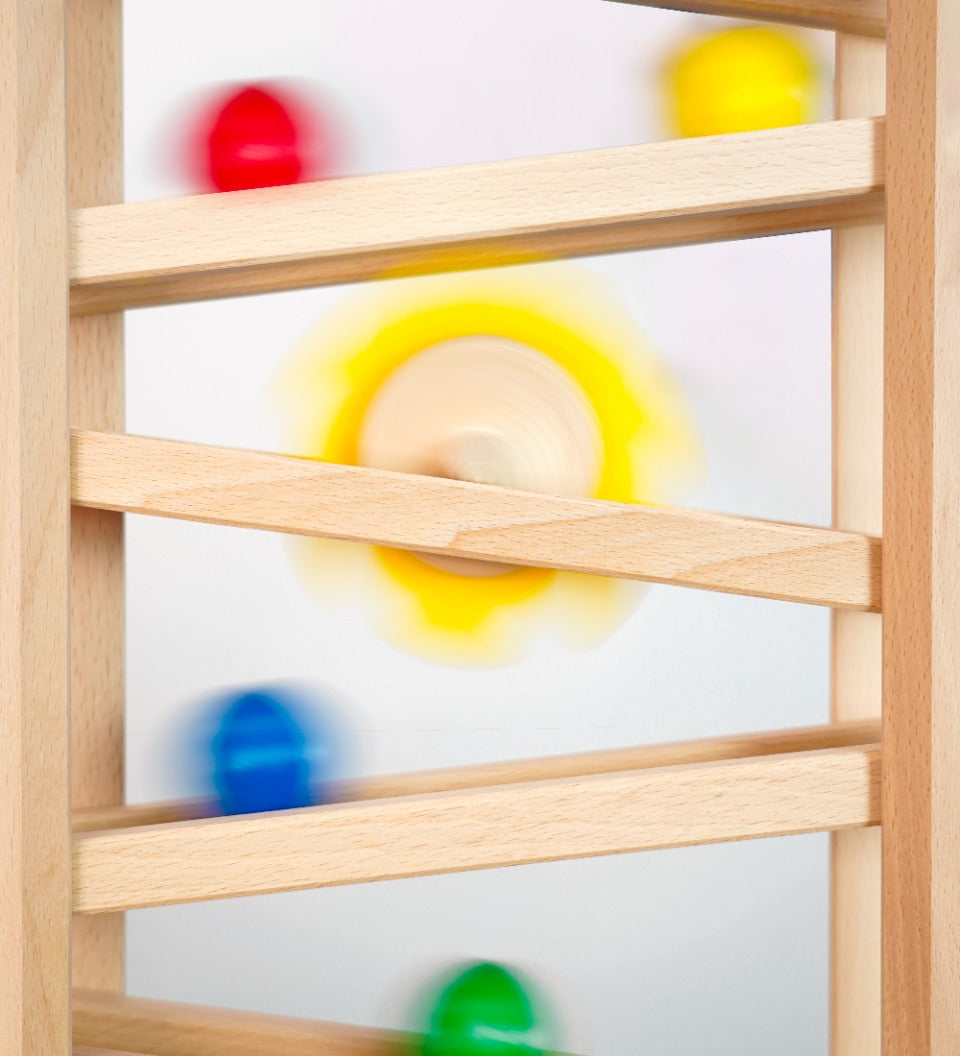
(700, 952)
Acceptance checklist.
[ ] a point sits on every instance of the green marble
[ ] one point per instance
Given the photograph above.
(485, 1011)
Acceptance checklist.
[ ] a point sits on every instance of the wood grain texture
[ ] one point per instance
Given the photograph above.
(166, 1028)
(856, 655)
(280, 493)
(642, 757)
(34, 535)
(551, 245)
(95, 147)
(865, 17)
(477, 215)
(921, 636)
(86, 1050)
(163, 1028)
(476, 828)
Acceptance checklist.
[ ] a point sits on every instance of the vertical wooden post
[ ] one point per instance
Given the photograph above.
(857, 506)
(34, 529)
(95, 147)
(921, 567)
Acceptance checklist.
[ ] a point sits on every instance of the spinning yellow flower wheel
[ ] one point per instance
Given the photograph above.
(529, 378)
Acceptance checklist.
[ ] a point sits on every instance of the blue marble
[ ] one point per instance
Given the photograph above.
(266, 755)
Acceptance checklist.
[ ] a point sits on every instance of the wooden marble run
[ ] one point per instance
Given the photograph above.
(888, 789)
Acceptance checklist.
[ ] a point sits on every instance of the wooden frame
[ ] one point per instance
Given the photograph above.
(34, 535)
(62, 575)
(95, 149)
(921, 521)
(857, 505)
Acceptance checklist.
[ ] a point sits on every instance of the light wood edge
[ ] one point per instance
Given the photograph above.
(478, 215)
(163, 1028)
(86, 1050)
(524, 249)
(751, 745)
(34, 535)
(477, 828)
(662, 545)
(167, 1028)
(95, 170)
(921, 522)
(866, 17)
(856, 654)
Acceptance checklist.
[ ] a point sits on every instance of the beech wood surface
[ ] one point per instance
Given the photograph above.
(435, 515)
(475, 828)
(34, 534)
(674, 192)
(865, 17)
(921, 524)
(856, 655)
(97, 630)
(643, 757)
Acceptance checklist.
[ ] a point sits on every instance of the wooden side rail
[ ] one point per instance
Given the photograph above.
(167, 1028)
(86, 1050)
(865, 17)
(511, 772)
(104, 1022)
(279, 493)
(477, 827)
(676, 192)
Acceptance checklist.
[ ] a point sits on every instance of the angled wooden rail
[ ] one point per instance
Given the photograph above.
(86, 1050)
(578, 764)
(281, 493)
(108, 1021)
(167, 1028)
(694, 190)
(594, 813)
(864, 17)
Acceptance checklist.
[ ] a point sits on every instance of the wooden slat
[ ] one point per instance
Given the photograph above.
(166, 1028)
(280, 493)
(921, 633)
(581, 764)
(866, 17)
(344, 268)
(857, 506)
(95, 143)
(34, 534)
(564, 205)
(476, 828)
(163, 1028)
(86, 1050)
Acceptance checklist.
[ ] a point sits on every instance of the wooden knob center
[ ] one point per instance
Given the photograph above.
(489, 410)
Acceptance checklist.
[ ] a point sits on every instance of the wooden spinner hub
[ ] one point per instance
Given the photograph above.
(490, 410)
